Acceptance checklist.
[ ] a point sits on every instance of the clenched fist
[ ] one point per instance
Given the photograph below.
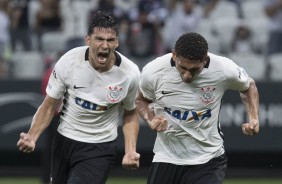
(26, 144)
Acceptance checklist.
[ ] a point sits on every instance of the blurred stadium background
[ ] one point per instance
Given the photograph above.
(29, 49)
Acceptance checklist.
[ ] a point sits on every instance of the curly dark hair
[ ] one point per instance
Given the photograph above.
(102, 19)
(191, 46)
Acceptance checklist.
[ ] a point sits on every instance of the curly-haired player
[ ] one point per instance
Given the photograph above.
(96, 82)
(180, 98)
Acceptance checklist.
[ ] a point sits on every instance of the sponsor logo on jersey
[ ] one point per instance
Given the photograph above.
(90, 106)
(207, 94)
(114, 93)
(189, 115)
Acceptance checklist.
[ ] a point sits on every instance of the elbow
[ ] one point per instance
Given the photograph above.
(252, 85)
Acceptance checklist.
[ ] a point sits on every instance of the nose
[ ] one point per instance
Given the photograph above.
(187, 75)
(105, 44)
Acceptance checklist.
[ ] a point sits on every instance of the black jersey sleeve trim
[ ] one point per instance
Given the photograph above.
(118, 59)
(208, 63)
(86, 54)
(172, 63)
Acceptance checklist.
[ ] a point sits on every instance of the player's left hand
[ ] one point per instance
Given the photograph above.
(130, 161)
(251, 128)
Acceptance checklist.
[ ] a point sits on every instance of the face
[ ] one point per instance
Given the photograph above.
(102, 44)
(188, 69)
(188, 6)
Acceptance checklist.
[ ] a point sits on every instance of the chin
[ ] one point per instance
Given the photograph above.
(188, 81)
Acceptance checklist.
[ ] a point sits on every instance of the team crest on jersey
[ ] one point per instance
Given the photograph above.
(114, 93)
(207, 94)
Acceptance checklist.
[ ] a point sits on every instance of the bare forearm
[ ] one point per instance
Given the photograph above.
(130, 130)
(250, 99)
(144, 108)
(40, 122)
(43, 117)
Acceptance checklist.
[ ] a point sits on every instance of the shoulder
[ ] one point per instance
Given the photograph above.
(76, 53)
(128, 67)
(221, 63)
(125, 62)
(226, 68)
(72, 56)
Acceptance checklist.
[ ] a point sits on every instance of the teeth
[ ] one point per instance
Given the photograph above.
(102, 59)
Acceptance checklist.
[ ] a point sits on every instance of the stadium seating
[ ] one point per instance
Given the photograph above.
(254, 64)
(225, 28)
(27, 65)
(275, 62)
(253, 9)
(53, 42)
(224, 8)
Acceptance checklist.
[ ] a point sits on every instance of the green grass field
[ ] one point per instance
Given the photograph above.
(141, 181)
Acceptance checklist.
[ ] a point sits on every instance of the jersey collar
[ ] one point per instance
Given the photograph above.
(118, 58)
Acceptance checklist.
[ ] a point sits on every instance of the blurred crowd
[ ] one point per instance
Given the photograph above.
(35, 33)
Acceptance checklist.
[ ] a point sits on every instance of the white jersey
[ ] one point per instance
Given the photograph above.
(191, 109)
(92, 100)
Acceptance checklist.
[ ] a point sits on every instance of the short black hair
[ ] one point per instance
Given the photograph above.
(102, 19)
(191, 46)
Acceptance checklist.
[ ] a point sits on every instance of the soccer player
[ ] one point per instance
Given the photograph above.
(96, 82)
(180, 98)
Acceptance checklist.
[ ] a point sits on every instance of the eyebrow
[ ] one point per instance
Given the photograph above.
(101, 38)
(190, 69)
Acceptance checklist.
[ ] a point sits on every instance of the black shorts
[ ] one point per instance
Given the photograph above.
(75, 162)
(212, 172)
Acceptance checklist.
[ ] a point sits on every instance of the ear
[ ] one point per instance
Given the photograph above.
(117, 44)
(207, 59)
(87, 40)
(173, 55)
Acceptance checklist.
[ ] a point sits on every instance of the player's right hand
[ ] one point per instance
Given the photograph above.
(158, 124)
(26, 144)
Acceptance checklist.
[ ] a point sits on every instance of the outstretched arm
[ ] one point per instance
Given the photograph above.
(40, 122)
(130, 131)
(250, 99)
(157, 123)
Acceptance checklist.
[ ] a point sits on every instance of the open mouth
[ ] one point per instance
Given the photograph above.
(102, 57)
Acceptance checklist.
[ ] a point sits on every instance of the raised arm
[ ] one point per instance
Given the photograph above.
(250, 99)
(40, 122)
(130, 132)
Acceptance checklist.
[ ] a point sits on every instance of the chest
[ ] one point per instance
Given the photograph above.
(204, 92)
(102, 88)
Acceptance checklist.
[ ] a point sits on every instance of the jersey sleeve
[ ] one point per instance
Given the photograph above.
(57, 81)
(236, 77)
(146, 83)
(129, 101)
